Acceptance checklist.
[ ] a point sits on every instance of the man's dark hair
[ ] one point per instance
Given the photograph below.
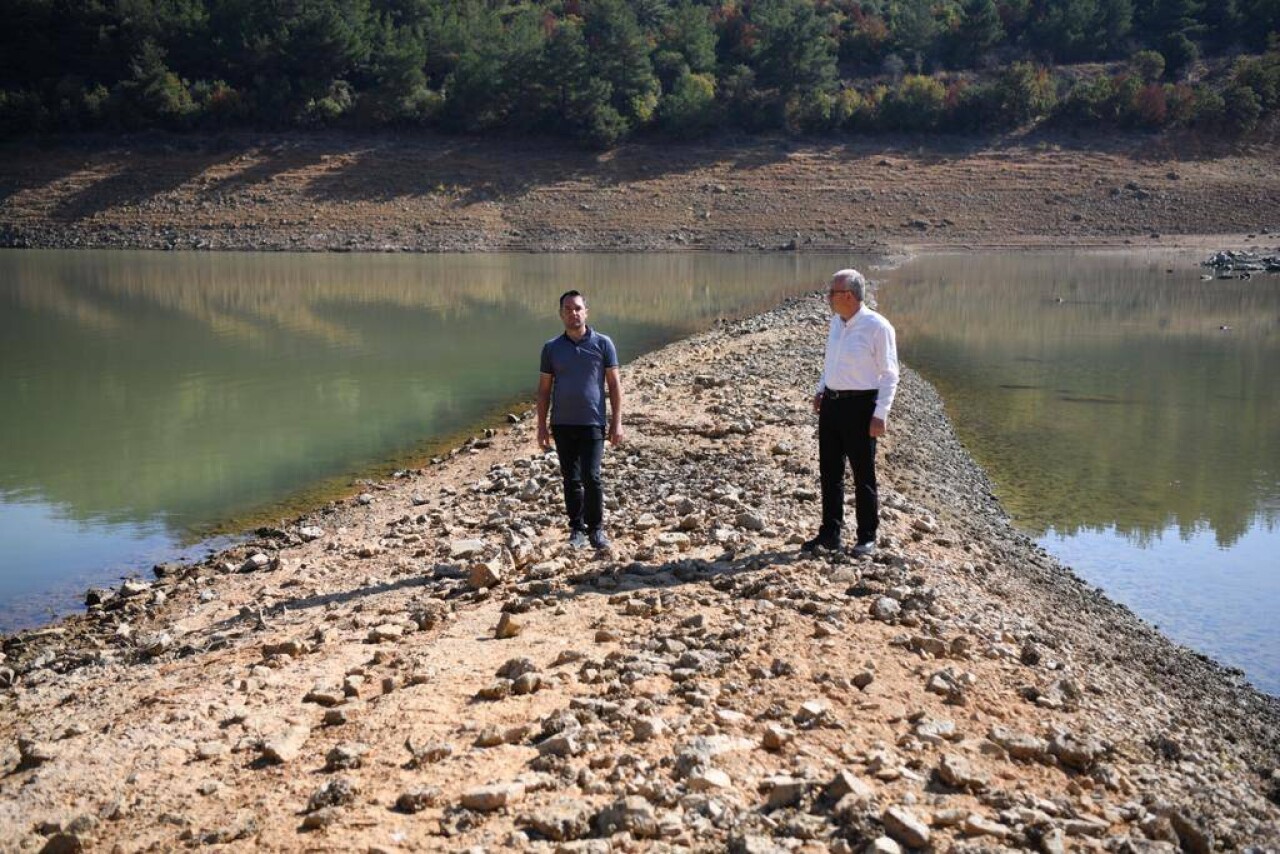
(564, 296)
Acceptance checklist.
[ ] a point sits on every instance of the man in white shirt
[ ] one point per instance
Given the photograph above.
(853, 397)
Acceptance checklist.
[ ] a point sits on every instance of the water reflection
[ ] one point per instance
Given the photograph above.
(1102, 389)
(149, 395)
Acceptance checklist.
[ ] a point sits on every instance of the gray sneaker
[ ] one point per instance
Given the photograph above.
(578, 540)
(863, 549)
(599, 541)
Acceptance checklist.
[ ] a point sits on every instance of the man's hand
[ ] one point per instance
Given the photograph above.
(544, 437)
(817, 402)
(877, 427)
(615, 435)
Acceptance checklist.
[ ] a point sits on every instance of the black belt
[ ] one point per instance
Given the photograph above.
(833, 394)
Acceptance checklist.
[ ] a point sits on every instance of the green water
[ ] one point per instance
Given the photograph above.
(1129, 414)
(152, 396)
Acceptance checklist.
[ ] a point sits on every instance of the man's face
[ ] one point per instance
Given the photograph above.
(573, 311)
(839, 296)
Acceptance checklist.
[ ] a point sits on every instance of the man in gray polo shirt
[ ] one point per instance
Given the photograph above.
(576, 369)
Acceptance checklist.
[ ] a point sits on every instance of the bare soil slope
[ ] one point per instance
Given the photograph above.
(332, 192)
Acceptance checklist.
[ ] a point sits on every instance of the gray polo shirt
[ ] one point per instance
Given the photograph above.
(577, 392)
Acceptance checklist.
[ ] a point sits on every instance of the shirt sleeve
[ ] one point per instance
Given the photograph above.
(887, 363)
(610, 353)
(822, 377)
(546, 367)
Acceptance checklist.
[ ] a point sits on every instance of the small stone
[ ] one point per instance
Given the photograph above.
(211, 749)
(1053, 841)
(33, 753)
(500, 689)
(749, 521)
(287, 746)
(134, 587)
(416, 800)
(846, 784)
(632, 814)
(291, 648)
(647, 728)
(785, 792)
(563, 820)
(957, 772)
(976, 825)
(345, 757)
(904, 826)
(508, 627)
(427, 754)
(810, 711)
(321, 818)
(863, 679)
(709, 780)
(485, 574)
(776, 737)
(335, 717)
(385, 632)
(325, 696)
(1078, 753)
(255, 563)
(492, 797)
(310, 532)
(885, 609)
(1019, 745)
(336, 792)
(883, 845)
(465, 548)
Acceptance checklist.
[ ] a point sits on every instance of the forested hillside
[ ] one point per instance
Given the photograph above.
(601, 71)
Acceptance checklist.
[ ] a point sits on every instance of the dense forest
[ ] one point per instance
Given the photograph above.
(601, 71)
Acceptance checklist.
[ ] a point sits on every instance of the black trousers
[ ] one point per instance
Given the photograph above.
(844, 433)
(580, 450)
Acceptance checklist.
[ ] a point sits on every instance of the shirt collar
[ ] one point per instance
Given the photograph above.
(585, 338)
(852, 317)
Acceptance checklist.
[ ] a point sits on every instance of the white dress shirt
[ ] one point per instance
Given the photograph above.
(862, 354)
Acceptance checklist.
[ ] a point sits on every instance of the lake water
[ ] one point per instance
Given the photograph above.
(151, 397)
(1129, 415)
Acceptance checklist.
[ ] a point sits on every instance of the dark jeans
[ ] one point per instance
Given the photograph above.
(580, 450)
(844, 426)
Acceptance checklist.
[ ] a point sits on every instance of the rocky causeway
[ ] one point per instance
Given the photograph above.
(427, 666)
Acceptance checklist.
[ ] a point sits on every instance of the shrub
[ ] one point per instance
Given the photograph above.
(1241, 108)
(917, 104)
(689, 108)
(1148, 65)
(1026, 92)
(1091, 102)
(1180, 55)
(1149, 106)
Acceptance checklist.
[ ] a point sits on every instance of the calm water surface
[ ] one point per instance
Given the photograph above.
(151, 396)
(1123, 425)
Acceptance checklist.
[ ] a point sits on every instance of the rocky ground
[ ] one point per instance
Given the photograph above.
(430, 193)
(426, 666)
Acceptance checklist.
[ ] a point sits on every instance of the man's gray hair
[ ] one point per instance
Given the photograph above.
(854, 281)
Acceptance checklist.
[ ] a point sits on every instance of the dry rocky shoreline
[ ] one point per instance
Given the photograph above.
(428, 193)
(426, 666)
